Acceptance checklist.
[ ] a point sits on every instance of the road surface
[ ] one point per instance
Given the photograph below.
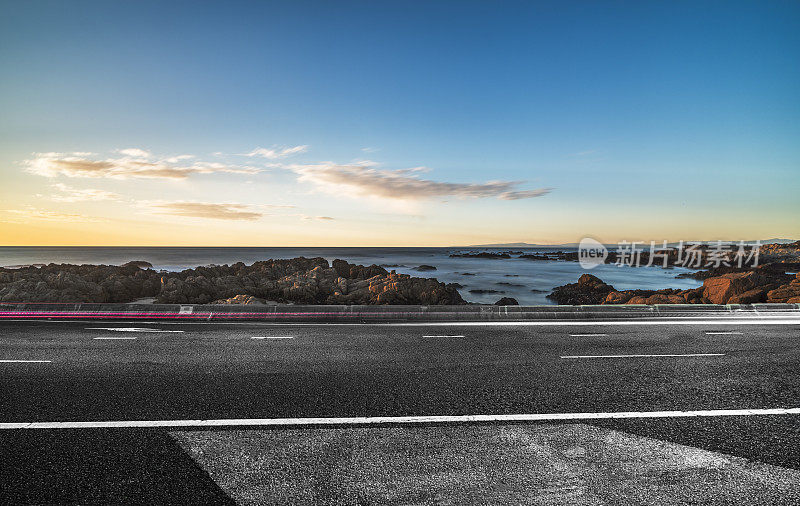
(84, 371)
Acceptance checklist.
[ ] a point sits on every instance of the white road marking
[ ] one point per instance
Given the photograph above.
(638, 356)
(25, 361)
(723, 333)
(664, 320)
(379, 420)
(272, 337)
(587, 335)
(116, 338)
(130, 329)
(444, 336)
(581, 323)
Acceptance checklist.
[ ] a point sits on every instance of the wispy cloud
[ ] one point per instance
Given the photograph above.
(32, 213)
(134, 152)
(70, 194)
(207, 210)
(277, 152)
(135, 165)
(360, 180)
(320, 218)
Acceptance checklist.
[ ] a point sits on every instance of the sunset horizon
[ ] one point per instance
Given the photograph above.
(295, 132)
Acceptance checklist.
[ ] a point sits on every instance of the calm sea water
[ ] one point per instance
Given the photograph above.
(525, 280)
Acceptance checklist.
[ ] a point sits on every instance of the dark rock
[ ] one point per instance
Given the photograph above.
(508, 284)
(483, 254)
(536, 257)
(297, 280)
(138, 263)
(588, 290)
(507, 301)
(480, 291)
(423, 268)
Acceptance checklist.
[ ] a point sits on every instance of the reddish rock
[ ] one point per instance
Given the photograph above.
(617, 298)
(784, 293)
(661, 298)
(721, 288)
(749, 297)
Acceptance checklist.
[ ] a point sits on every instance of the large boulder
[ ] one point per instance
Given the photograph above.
(588, 290)
(721, 289)
(785, 293)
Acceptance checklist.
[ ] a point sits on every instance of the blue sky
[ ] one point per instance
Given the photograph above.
(645, 120)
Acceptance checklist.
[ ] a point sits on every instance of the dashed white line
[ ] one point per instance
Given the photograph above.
(397, 420)
(272, 337)
(587, 335)
(646, 356)
(443, 336)
(25, 361)
(723, 333)
(130, 329)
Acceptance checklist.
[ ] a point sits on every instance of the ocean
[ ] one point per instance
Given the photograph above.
(525, 280)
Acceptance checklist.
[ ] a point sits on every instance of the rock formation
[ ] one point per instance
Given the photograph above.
(757, 285)
(299, 280)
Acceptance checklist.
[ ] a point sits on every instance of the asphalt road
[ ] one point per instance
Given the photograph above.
(85, 372)
(220, 371)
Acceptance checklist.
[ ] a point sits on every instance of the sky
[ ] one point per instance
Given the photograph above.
(397, 123)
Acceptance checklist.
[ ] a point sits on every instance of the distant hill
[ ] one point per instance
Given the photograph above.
(522, 245)
(575, 244)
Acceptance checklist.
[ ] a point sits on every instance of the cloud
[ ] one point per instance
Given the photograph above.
(275, 153)
(70, 194)
(359, 180)
(320, 218)
(135, 152)
(31, 213)
(176, 159)
(524, 194)
(128, 167)
(207, 210)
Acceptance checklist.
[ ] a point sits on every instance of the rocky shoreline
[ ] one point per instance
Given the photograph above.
(314, 281)
(298, 280)
(691, 256)
(776, 280)
(749, 287)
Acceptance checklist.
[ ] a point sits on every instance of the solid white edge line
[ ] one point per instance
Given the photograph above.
(666, 320)
(25, 361)
(378, 420)
(588, 335)
(130, 329)
(588, 323)
(646, 356)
